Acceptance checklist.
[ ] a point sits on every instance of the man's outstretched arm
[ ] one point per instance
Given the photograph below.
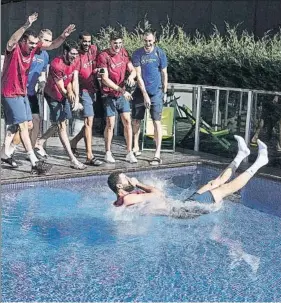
(59, 41)
(14, 39)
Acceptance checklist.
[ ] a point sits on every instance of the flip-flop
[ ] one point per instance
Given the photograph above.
(137, 153)
(155, 161)
(94, 162)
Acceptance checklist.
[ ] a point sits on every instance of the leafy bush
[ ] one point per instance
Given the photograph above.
(233, 60)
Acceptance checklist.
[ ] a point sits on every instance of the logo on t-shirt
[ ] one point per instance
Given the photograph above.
(38, 60)
(89, 63)
(26, 60)
(117, 64)
(146, 60)
(68, 76)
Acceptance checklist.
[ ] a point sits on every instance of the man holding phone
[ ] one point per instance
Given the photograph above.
(113, 63)
(150, 63)
(62, 95)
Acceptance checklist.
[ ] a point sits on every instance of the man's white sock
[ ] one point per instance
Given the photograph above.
(243, 152)
(32, 157)
(262, 158)
(12, 148)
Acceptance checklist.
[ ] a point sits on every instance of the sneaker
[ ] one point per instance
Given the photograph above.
(109, 158)
(40, 168)
(131, 158)
(137, 153)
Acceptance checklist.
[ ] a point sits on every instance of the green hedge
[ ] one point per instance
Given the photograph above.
(232, 59)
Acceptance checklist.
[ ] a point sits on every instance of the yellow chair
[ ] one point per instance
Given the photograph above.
(168, 131)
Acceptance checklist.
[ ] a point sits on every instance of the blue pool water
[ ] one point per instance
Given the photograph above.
(64, 242)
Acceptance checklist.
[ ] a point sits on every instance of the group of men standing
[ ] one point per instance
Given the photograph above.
(72, 84)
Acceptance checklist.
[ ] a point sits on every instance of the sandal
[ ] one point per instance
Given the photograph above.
(155, 161)
(78, 165)
(39, 155)
(94, 162)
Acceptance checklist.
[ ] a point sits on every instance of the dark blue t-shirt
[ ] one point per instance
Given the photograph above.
(151, 65)
(39, 65)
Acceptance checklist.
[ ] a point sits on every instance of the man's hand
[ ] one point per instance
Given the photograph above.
(133, 181)
(32, 18)
(70, 29)
(41, 87)
(75, 106)
(146, 101)
(71, 96)
(128, 96)
(165, 98)
(131, 81)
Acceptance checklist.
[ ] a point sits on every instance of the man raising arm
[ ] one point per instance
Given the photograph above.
(20, 51)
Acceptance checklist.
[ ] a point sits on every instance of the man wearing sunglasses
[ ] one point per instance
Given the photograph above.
(150, 63)
(114, 62)
(62, 93)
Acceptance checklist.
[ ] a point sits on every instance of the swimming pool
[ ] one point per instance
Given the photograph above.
(64, 241)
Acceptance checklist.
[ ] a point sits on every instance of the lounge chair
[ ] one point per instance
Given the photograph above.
(168, 131)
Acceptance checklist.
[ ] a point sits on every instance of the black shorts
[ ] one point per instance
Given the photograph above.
(34, 104)
(206, 197)
(138, 108)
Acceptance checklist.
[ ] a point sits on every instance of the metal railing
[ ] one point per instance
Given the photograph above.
(251, 106)
(196, 92)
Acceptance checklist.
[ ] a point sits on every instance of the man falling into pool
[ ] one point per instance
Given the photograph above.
(130, 191)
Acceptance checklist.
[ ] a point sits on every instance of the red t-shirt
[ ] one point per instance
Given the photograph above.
(15, 71)
(87, 69)
(116, 65)
(59, 70)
